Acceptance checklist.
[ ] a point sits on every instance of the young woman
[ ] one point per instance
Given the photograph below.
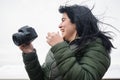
(81, 53)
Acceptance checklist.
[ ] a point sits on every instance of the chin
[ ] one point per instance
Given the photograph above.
(63, 35)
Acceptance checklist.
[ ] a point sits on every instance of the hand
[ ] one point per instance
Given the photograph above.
(26, 48)
(54, 38)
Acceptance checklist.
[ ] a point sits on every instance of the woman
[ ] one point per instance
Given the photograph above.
(82, 53)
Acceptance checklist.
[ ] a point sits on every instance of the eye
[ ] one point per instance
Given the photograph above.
(63, 19)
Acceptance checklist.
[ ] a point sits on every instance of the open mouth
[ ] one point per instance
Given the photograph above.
(62, 30)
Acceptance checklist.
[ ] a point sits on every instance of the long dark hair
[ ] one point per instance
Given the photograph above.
(86, 24)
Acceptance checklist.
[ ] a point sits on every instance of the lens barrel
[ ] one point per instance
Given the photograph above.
(25, 35)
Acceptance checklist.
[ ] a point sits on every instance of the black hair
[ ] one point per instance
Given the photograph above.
(86, 24)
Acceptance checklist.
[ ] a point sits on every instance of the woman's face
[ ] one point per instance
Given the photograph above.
(67, 28)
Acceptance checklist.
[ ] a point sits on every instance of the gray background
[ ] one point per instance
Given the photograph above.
(43, 15)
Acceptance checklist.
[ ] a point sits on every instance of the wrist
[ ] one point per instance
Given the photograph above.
(29, 57)
(28, 51)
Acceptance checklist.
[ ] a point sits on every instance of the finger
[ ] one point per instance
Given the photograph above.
(48, 37)
(58, 32)
(49, 33)
(52, 33)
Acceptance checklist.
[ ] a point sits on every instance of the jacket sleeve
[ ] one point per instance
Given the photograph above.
(32, 66)
(92, 66)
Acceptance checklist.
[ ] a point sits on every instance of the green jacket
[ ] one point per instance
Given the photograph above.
(62, 64)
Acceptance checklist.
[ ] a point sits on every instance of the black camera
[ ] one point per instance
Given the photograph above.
(25, 35)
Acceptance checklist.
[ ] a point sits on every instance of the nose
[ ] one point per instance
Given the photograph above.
(60, 26)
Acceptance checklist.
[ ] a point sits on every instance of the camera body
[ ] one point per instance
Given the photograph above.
(25, 35)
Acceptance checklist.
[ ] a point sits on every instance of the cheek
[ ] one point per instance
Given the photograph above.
(66, 32)
(70, 30)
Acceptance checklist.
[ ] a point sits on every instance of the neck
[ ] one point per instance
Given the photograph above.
(73, 37)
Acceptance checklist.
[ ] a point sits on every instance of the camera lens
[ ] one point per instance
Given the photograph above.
(18, 38)
(25, 35)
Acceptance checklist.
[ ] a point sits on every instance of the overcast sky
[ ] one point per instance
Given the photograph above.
(43, 15)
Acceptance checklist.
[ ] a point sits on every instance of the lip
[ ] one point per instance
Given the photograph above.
(62, 30)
